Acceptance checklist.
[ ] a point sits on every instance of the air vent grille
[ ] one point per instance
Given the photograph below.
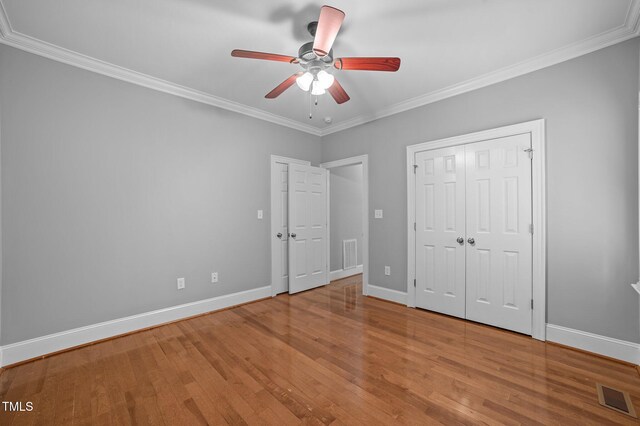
(349, 254)
(615, 399)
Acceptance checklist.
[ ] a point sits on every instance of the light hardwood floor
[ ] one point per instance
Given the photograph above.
(327, 356)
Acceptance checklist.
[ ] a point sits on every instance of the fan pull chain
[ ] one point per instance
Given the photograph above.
(310, 115)
(316, 103)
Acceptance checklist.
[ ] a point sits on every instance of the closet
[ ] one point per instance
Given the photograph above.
(473, 231)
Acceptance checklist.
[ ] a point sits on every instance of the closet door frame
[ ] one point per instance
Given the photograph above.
(536, 129)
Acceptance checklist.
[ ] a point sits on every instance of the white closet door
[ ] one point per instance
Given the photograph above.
(499, 244)
(440, 222)
(281, 212)
(308, 263)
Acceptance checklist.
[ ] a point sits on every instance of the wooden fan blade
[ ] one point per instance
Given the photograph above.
(283, 86)
(261, 55)
(368, 64)
(329, 24)
(338, 93)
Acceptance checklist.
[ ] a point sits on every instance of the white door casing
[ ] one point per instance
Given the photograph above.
(308, 241)
(279, 222)
(440, 222)
(499, 241)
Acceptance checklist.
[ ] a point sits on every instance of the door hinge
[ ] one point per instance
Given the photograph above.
(415, 166)
(414, 282)
(531, 303)
(529, 152)
(414, 226)
(531, 229)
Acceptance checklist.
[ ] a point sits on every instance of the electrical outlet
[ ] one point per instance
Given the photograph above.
(214, 277)
(387, 270)
(181, 283)
(260, 214)
(378, 214)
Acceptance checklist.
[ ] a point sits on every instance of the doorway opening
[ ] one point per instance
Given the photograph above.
(299, 226)
(351, 174)
(348, 218)
(345, 218)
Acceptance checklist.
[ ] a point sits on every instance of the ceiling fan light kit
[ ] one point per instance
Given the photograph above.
(318, 82)
(316, 57)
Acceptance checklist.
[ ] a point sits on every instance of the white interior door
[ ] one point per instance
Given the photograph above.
(440, 231)
(308, 242)
(499, 241)
(280, 213)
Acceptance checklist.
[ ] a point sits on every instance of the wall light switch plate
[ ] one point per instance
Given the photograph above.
(260, 214)
(181, 283)
(387, 270)
(378, 214)
(214, 277)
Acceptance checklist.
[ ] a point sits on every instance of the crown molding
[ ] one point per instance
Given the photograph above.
(10, 37)
(29, 44)
(630, 29)
(5, 26)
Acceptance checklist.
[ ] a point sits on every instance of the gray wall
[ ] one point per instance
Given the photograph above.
(346, 211)
(591, 108)
(111, 191)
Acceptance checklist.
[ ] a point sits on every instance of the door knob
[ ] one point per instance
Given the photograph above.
(471, 241)
(293, 235)
(279, 235)
(460, 240)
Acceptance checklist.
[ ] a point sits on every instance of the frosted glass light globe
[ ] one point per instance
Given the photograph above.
(304, 81)
(325, 79)
(317, 88)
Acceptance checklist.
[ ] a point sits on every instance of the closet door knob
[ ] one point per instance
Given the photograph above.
(279, 235)
(460, 240)
(471, 241)
(293, 235)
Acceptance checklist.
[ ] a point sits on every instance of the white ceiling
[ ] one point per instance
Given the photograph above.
(446, 46)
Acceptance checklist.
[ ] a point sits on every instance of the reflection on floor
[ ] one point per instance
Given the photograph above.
(326, 356)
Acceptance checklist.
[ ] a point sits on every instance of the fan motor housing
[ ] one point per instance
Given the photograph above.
(306, 52)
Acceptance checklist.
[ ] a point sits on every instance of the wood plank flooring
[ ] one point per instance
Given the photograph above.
(326, 356)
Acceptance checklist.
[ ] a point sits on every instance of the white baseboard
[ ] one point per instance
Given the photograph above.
(607, 346)
(344, 273)
(387, 294)
(21, 351)
(28, 349)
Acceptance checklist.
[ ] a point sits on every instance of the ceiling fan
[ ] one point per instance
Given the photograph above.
(316, 58)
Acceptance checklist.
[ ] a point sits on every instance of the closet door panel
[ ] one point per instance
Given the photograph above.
(499, 242)
(440, 223)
